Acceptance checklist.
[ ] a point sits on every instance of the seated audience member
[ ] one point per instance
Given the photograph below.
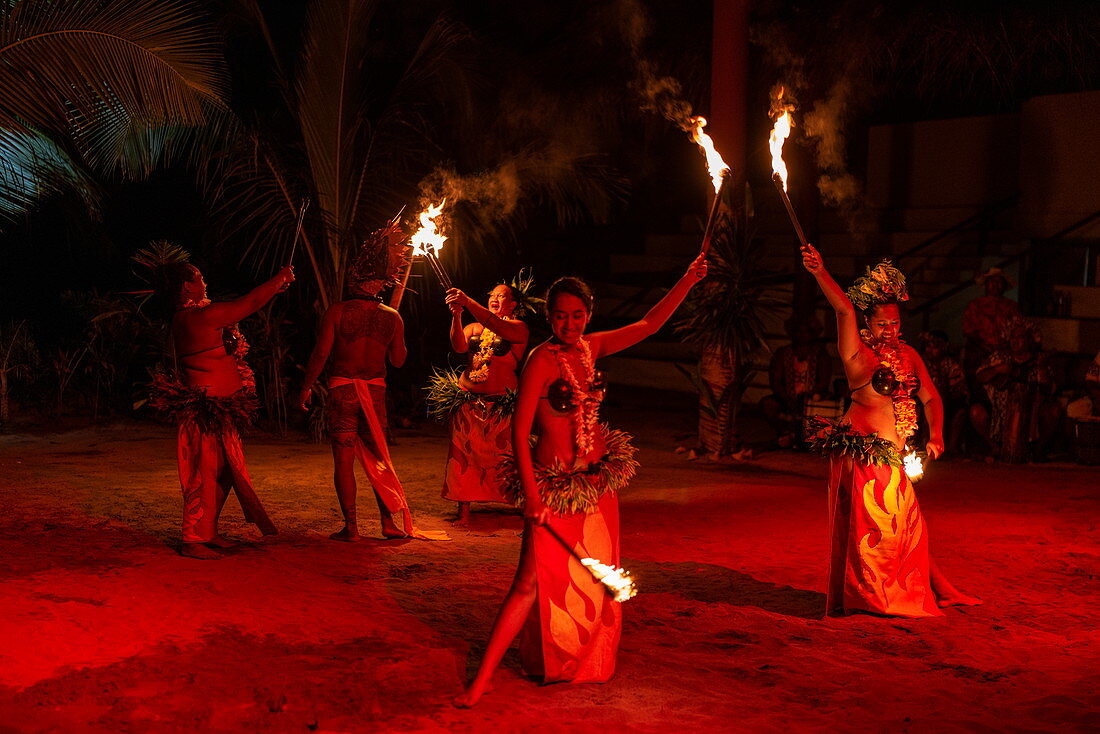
(1020, 419)
(798, 372)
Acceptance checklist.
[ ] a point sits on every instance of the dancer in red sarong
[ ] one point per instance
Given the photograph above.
(361, 333)
(569, 481)
(880, 558)
(478, 403)
(212, 396)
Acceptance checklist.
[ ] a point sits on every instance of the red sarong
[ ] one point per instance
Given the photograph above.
(572, 633)
(880, 560)
(377, 463)
(480, 435)
(210, 465)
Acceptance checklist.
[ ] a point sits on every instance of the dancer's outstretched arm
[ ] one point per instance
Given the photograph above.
(225, 313)
(459, 341)
(616, 340)
(849, 345)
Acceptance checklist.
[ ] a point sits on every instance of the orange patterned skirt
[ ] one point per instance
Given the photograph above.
(480, 435)
(572, 633)
(880, 561)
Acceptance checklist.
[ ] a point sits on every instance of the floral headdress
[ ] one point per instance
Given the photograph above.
(381, 256)
(522, 284)
(882, 284)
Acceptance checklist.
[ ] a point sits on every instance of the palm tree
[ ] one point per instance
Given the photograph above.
(78, 78)
(726, 320)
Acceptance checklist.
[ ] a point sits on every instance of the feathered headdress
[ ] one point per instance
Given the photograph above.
(522, 284)
(882, 284)
(381, 256)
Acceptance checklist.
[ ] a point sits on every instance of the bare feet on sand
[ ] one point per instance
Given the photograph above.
(463, 517)
(200, 551)
(469, 698)
(348, 535)
(957, 599)
(220, 541)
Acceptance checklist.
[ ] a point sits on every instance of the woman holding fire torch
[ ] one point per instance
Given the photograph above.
(479, 402)
(567, 484)
(880, 559)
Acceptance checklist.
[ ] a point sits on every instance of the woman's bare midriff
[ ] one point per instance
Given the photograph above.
(555, 442)
(873, 413)
(214, 371)
(501, 377)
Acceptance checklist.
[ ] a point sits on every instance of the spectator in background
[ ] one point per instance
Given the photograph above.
(1020, 418)
(985, 321)
(947, 375)
(798, 373)
(1088, 407)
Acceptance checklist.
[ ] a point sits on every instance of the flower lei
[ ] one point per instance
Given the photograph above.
(905, 407)
(479, 363)
(240, 349)
(586, 401)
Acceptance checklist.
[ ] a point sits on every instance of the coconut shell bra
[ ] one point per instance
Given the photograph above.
(500, 346)
(885, 382)
(560, 393)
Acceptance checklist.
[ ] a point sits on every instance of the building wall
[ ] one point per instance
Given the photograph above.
(1059, 163)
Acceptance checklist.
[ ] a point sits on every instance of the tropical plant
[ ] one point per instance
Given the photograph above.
(725, 318)
(79, 79)
(18, 357)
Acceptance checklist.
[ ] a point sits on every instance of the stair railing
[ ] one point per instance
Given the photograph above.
(1049, 245)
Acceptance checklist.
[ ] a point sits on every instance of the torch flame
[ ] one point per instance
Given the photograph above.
(617, 580)
(914, 467)
(780, 132)
(715, 165)
(428, 239)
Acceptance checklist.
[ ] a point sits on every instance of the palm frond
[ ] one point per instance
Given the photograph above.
(85, 63)
(32, 167)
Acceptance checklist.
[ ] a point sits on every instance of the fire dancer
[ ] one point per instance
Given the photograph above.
(480, 401)
(880, 558)
(212, 396)
(568, 482)
(361, 333)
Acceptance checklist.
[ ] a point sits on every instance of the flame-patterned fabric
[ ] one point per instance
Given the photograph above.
(572, 633)
(880, 561)
(480, 435)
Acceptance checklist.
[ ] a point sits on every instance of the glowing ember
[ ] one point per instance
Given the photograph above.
(780, 132)
(617, 580)
(428, 240)
(914, 467)
(715, 165)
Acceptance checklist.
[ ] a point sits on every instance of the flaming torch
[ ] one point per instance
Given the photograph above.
(719, 174)
(914, 467)
(428, 240)
(616, 581)
(780, 132)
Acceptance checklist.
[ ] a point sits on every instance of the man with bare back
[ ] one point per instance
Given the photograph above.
(361, 334)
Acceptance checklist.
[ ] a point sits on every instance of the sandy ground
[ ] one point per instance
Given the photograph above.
(103, 627)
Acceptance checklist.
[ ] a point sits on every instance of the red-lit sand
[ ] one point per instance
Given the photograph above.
(103, 627)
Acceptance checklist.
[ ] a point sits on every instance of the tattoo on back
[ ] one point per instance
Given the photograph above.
(361, 320)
